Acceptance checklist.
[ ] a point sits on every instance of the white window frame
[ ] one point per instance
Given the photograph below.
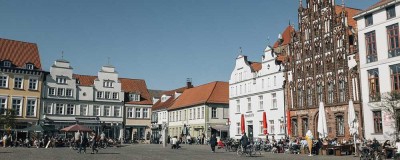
(238, 129)
(274, 101)
(105, 109)
(53, 93)
(237, 106)
(2, 79)
(61, 92)
(130, 112)
(202, 113)
(249, 104)
(21, 82)
(83, 110)
(117, 108)
(19, 105)
(30, 105)
(71, 92)
(115, 95)
(3, 105)
(69, 107)
(108, 84)
(271, 127)
(61, 80)
(107, 95)
(138, 111)
(34, 81)
(48, 106)
(214, 112)
(99, 94)
(145, 113)
(261, 102)
(29, 66)
(96, 110)
(6, 63)
(59, 105)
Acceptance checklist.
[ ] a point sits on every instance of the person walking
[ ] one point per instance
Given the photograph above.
(244, 141)
(83, 144)
(94, 144)
(213, 142)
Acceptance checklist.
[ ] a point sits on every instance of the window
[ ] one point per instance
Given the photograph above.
(59, 109)
(145, 112)
(304, 125)
(237, 106)
(393, 40)
(373, 81)
(248, 104)
(309, 97)
(108, 83)
(138, 113)
(261, 100)
(238, 128)
(368, 20)
(52, 91)
(70, 109)
(83, 110)
(274, 80)
(184, 114)
(68, 93)
(18, 82)
(33, 83)
(294, 127)
(320, 93)
(198, 113)
(261, 127)
(60, 91)
(330, 93)
(107, 95)
(115, 95)
(61, 80)
(134, 97)
(130, 112)
(117, 111)
(395, 77)
(272, 126)
(377, 115)
(213, 112)
(202, 112)
(3, 104)
(3, 81)
(49, 108)
(262, 83)
(6, 63)
(194, 113)
(390, 12)
(99, 94)
(342, 94)
(190, 114)
(370, 41)
(96, 110)
(17, 106)
(339, 126)
(29, 66)
(274, 102)
(31, 107)
(107, 110)
(300, 97)
(281, 126)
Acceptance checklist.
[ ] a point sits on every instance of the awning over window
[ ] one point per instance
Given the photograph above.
(220, 127)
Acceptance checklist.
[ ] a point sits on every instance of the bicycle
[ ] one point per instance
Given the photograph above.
(249, 150)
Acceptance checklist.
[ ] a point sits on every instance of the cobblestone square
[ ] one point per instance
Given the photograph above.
(147, 152)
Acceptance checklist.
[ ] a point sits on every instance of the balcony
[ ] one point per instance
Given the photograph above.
(372, 58)
(394, 52)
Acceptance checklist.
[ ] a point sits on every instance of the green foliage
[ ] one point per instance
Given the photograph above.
(7, 119)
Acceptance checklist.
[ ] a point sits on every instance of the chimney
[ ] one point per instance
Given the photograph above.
(189, 83)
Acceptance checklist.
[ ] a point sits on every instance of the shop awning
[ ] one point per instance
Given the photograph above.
(220, 127)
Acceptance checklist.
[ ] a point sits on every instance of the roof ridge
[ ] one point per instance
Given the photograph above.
(17, 41)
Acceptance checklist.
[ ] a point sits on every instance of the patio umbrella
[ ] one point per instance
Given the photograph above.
(242, 125)
(288, 123)
(37, 128)
(265, 126)
(352, 121)
(76, 127)
(322, 126)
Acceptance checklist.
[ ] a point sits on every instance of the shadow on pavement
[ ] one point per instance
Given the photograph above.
(107, 153)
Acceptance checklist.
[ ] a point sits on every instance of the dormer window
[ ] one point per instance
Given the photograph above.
(164, 98)
(29, 66)
(108, 84)
(7, 64)
(134, 97)
(61, 80)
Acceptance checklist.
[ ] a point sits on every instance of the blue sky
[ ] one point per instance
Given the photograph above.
(161, 41)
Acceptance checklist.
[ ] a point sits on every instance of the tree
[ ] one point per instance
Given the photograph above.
(8, 119)
(391, 105)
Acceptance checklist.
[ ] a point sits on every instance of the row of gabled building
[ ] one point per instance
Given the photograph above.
(338, 54)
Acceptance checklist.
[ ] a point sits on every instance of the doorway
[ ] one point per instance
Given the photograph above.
(250, 134)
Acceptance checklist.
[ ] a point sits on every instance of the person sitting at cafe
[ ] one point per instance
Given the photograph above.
(387, 149)
(397, 145)
(375, 145)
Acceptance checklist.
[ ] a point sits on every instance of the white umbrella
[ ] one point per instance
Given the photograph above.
(353, 124)
(322, 126)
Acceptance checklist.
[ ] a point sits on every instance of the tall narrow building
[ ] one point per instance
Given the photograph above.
(322, 67)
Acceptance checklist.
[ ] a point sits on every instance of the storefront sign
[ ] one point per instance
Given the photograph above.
(249, 115)
(335, 109)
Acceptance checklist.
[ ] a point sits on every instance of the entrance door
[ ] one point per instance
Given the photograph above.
(250, 134)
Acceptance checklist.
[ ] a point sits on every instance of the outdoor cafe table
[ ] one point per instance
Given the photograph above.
(339, 149)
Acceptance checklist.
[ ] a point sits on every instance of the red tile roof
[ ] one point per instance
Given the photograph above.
(351, 12)
(164, 105)
(256, 66)
(214, 92)
(138, 86)
(127, 86)
(286, 36)
(20, 53)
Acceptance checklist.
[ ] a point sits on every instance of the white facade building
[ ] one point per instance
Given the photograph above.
(379, 48)
(255, 88)
(96, 102)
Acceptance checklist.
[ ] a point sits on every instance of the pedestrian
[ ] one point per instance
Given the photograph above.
(83, 144)
(5, 140)
(213, 142)
(94, 144)
(244, 141)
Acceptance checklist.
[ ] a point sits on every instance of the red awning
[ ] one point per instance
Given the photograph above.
(265, 126)
(242, 125)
